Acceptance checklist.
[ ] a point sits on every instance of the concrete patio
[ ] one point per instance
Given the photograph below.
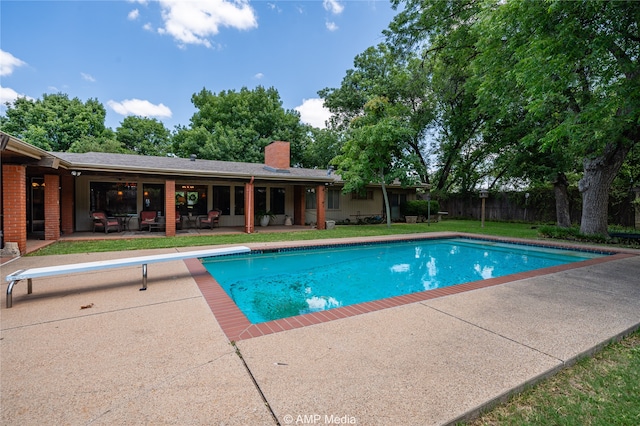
(92, 349)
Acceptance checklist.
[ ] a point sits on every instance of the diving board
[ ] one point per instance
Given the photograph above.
(48, 271)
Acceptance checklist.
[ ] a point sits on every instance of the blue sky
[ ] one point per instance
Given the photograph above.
(148, 58)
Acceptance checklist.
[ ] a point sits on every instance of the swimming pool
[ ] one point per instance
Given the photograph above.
(278, 284)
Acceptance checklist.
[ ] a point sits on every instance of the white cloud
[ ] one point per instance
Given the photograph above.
(140, 108)
(313, 112)
(133, 15)
(148, 26)
(9, 95)
(331, 26)
(193, 22)
(8, 63)
(333, 6)
(258, 76)
(87, 77)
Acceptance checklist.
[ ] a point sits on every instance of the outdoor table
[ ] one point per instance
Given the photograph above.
(125, 220)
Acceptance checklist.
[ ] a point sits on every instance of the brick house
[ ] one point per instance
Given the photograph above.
(47, 194)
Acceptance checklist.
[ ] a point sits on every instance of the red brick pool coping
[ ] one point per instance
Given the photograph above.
(237, 327)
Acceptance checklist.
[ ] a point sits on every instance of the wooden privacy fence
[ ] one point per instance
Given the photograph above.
(538, 207)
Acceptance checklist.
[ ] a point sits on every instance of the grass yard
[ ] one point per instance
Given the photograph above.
(517, 230)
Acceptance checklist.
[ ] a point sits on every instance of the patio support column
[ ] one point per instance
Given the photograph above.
(170, 208)
(14, 205)
(67, 203)
(299, 196)
(51, 207)
(320, 207)
(249, 224)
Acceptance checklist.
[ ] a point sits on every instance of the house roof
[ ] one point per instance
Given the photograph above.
(175, 166)
(100, 162)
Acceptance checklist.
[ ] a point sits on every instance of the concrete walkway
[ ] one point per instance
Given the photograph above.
(92, 349)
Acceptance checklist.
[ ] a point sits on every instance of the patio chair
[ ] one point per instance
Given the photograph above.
(178, 220)
(146, 219)
(213, 218)
(102, 222)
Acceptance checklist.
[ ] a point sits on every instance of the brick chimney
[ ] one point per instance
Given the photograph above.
(277, 155)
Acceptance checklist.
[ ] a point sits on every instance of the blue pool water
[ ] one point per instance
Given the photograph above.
(273, 285)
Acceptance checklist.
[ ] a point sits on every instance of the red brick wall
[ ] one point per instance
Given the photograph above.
(170, 207)
(14, 204)
(67, 205)
(51, 207)
(277, 154)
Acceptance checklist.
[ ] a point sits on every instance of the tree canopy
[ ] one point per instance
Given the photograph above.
(377, 150)
(144, 136)
(55, 122)
(557, 79)
(401, 82)
(236, 126)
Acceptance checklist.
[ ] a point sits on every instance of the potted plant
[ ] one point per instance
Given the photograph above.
(264, 217)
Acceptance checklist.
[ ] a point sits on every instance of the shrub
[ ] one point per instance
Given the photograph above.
(572, 233)
(419, 208)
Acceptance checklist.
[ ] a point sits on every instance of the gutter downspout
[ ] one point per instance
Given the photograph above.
(248, 207)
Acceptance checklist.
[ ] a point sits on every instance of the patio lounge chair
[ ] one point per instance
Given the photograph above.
(213, 218)
(146, 219)
(102, 222)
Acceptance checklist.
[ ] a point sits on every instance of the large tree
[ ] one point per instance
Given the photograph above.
(577, 65)
(573, 64)
(55, 122)
(377, 150)
(236, 126)
(324, 145)
(440, 33)
(378, 73)
(144, 136)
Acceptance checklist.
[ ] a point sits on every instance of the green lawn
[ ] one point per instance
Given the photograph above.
(519, 230)
(600, 390)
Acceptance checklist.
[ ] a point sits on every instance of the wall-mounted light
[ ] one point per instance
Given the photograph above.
(76, 173)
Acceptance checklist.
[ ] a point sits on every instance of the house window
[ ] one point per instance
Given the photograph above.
(222, 199)
(191, 199)
(333, 199)
(239, 200)
(260, 198)
(114, 197)
(365, 195)
(153, 198)
(277, 200)
(310, 199)
(395, 200)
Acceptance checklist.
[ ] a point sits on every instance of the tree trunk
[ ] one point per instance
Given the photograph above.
(387, 209)
(563, 216)
(596, 181)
